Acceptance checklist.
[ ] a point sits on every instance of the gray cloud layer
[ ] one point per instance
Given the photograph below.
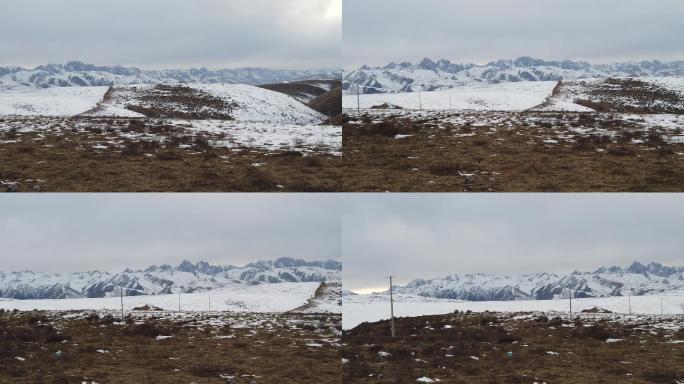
(76, 232)
(376, 32)
(427, 235)
(284, 34)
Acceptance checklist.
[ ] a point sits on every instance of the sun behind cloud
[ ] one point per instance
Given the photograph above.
(333, 10)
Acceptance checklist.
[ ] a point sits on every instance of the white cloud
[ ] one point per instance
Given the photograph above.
(288, 34)
(433, 235)
(376, 32)
(73, 232)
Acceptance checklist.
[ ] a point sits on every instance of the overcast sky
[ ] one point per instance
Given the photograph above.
(377, 32)
(435, 235)
(69, 233)
(157, 34)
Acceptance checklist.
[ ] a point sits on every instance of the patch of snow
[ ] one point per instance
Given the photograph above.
(59, 101)
(425, 379)
(256, 104)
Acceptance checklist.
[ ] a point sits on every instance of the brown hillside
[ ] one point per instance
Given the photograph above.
(329, 103)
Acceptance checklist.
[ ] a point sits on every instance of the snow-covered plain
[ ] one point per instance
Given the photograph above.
(516, 96)
(262, 298)
(60, 101)
(357, 309)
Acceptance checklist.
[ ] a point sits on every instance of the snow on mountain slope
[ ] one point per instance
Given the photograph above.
(234, 298)
(618, 94)
(50, 101)
(637, 279)
(238, 102)
(327, 299)
(671, 83)
(498, 97)
(79, 74)
(186, 277)
(256, 104)
(429, 75)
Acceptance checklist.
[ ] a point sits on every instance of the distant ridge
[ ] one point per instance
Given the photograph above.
(430, 75)
(161, 279)
(76, 73)
(636, 279)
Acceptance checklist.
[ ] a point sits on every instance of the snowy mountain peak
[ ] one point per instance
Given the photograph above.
(185, 277)
(76, 73)
(428, 64)
(636, 279)
(186, 266)
(432, 75)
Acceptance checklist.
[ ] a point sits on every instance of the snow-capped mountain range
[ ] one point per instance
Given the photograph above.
(429, 75)
(163, 279)
(637, 279)
(76, 73)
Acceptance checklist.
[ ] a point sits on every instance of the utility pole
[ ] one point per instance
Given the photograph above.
(420, 100)
(121, 296)
(179, 292)
(570, 295)
(629, 301)
(661, 306)
(391, 306)
(358, 101)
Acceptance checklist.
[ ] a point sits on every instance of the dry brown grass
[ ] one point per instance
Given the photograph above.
(67, 163)
(133, 355)
(507, 160)
(424, 347)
